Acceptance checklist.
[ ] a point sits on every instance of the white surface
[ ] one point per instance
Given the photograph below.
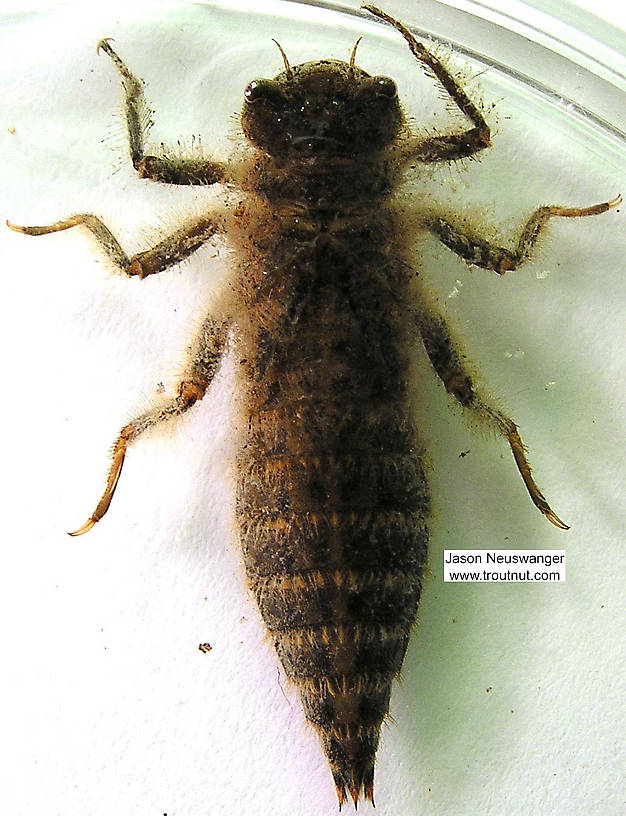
(109, 705)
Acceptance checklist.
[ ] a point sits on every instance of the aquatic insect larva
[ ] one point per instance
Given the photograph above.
(332, 499)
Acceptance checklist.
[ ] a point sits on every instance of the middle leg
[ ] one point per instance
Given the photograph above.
(479, 252)
(168, 252)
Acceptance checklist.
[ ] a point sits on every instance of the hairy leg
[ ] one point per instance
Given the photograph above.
(446, 360)
(173, 249)
(477, 251)
(455, 145)
(168, 169)
(206, 356)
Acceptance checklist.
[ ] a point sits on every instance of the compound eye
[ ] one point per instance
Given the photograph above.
(385, 86)
(264, 90)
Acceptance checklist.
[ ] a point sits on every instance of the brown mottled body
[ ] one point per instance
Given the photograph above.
(332, 498)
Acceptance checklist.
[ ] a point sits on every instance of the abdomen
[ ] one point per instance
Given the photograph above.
(332, 499)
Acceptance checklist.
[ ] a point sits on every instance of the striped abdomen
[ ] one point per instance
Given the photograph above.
(331, 497)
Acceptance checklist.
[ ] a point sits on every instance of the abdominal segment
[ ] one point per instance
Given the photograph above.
(332, 499)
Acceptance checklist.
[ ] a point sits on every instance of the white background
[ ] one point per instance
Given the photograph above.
(510, 697)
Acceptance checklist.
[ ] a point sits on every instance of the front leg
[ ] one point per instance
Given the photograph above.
(480, 252)
(455, 145)
(173, 249)
(168, 169)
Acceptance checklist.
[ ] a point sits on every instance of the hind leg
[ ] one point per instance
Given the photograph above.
(206, 357)
(446, 360)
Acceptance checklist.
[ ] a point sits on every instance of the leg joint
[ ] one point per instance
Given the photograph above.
(190, 391)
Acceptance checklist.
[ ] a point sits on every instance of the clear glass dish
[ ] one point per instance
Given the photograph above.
(508, 698)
